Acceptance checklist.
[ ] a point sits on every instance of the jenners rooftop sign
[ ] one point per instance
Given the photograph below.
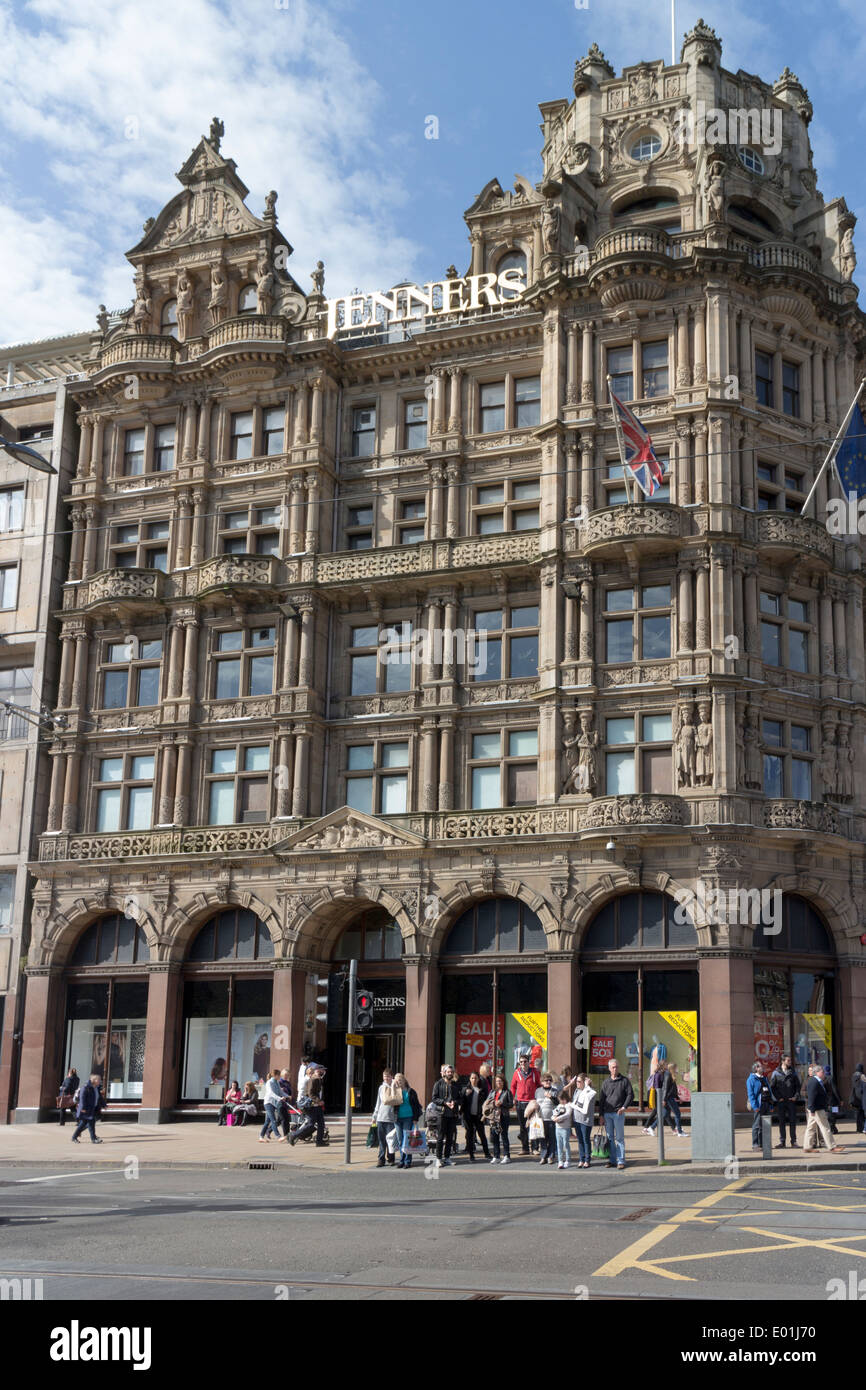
(411, 303)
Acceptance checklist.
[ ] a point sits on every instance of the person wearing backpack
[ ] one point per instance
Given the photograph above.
(759, 1099)
(89, 1106)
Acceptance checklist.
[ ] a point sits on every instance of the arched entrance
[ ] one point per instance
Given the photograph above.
(227, 1005)
(375, 941)
(795, 991)
(494, 986)
(106, 1006)
(640, 989)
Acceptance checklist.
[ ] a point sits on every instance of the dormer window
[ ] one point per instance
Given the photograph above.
(512, 260)
(647, 147)
(750, 159)
(248, 300)
(168, 318)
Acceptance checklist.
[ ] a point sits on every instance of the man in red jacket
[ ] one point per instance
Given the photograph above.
(524, 1083)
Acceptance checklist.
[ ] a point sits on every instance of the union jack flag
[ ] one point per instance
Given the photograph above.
(637, 448)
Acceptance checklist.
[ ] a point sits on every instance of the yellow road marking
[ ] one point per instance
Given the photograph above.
(628, 1258)
(785, 1243)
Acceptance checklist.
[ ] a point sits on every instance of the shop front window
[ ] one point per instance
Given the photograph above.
(105, 1034)
(794, 1000)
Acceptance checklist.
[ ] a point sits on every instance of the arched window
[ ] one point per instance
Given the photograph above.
(168, 318)
(747, 215)
(750, 159)
(802, 931)
(640, 922)
(646, 147)
(512, 260)
(248, 300)
(495, 924)
(651, 211)
(370, 940)
(114, 940)
(236, 934)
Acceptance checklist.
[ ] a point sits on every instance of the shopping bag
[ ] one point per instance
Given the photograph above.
(536, 1128)
(230, 1119)
(600, 1143)
(415, 1142)
(372, 1137)
(392, 1140)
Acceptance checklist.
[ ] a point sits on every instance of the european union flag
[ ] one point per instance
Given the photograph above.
(850, 461)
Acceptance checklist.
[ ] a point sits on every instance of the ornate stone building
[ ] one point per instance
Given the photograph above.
(366, 653)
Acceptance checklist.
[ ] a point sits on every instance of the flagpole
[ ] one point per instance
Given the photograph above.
(673, 33)
(834, 447)
(620, 441)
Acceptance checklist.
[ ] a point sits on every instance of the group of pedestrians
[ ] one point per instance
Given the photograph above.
(783, 1089)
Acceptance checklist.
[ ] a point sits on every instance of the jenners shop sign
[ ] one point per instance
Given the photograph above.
(410, 303)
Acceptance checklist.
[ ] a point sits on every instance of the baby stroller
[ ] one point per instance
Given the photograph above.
(297, 1118)
(432, 1116)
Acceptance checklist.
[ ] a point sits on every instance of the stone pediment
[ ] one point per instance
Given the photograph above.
(212, 210)
(351, 830)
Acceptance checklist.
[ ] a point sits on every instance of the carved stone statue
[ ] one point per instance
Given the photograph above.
(318, 278)
(704, 742)
(102, 319)
(716, 192)
(550, 227)
(142, 308)
(219, 292)
(827, 763)
(265, 287)
(217, 131)
(847, 254)
(271, 203)
(148, 223)
(685, 748)
(844, 767)
(752, 754)
(583, 766)
(184, 305)
(451, 273)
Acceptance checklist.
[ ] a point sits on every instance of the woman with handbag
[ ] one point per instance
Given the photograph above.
(248, 1106)
(232, 1096)
(384, 1116)
(66, 1096)
(584, 1111)
(497, 1110)
(407, 1113)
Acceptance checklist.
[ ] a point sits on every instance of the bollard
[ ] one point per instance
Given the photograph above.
(767, 1136)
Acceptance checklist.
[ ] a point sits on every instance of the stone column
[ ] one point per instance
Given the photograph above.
(55, 796)
(175, 661)
(748, 477)
(182, 535)
(67, 657)
(719, 474)
(701, 466)
(834, 418)
(437, 488)
(85, 447)
(316, 422)
(806, 407)
(818, 403)
(204, 418)
(196, 554)
(586, 617)
(160, 1083)
(190, 659)
(746, 382)
(189, 431)
(587, 372)
(296, 515)
(287, 1016)
(683, 474)
(587, 475)
(311, 542)
(839, 631)
(700, 372)
(561, 1001)
(449, 664)
(455, 415)
(305, 665)
(477, 253)
(92, 534)
(430, 665)
(453, 522)
(76, 548)
(570, 646)
(299, 785)
(79, 677)
(168, 775)
(825, 628)
(446, 764)
(422, 1023)
(571, 386)
(301, 416)
(284, 777)
(428, 788)
(439, 404)
(739, 612)
(290, 653)
(180, 814)
(571, 482)
(702, 625)
(753, 634)
(43, 1037)
(727, 1012)
(685, 608)
(69, 819)
(96, 454)
(683, 366)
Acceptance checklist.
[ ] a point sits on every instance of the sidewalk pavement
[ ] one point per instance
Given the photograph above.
(200, 1144)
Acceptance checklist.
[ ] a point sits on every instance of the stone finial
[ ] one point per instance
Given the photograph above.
(148, 224)
(790, 88)
(217, 131)
(708, 45)
(583, 74)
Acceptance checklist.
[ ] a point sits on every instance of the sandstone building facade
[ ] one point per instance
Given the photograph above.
(364, 651)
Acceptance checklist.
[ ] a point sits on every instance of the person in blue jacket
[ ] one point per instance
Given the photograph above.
(90, 1102)
(759, 1099)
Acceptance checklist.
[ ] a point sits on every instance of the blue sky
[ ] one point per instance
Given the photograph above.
(326, 100)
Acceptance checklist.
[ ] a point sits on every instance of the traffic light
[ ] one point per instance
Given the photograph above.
(364, 1011)
(322, 981)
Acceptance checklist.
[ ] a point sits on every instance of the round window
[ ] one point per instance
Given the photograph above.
(751, 160)
(647, 147)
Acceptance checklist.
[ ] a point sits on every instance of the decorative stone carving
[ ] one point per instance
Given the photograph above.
(685, 740)
(847, 254)
(142, 307)
(844, 767)
(318, 278)
(265, 283)
(219, 291)
(550, 227)
(800, 815)
(715, 192)
(642, 87)
(638, 520)
(582, 757)
(801, 533)
(704, 745)
(633, 810)
(184, 305)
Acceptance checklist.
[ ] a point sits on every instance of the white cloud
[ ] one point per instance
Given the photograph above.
(300, 115)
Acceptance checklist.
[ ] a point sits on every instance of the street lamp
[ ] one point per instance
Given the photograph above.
(22, 454)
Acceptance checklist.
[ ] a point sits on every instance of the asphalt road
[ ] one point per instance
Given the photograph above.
(473, 1233)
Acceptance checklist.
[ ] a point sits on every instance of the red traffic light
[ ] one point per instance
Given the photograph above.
(364, 1001)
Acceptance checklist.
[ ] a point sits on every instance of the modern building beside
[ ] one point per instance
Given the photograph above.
(366, 653)
(33, 564)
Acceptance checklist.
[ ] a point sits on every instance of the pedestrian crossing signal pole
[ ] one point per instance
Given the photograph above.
(350, 1057)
